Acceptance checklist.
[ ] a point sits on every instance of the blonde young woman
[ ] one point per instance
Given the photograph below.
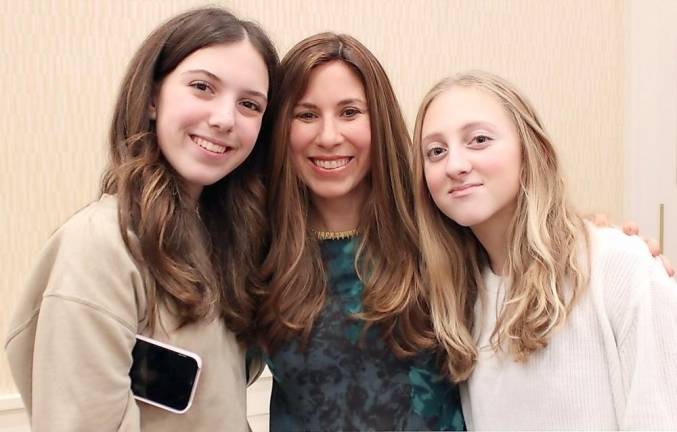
(554, 324)
(344, 320)
(167, 250)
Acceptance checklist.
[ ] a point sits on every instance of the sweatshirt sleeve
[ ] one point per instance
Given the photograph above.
(80, 374)
(82, 337)
(645, 309)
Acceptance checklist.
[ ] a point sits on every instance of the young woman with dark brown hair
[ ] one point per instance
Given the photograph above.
(168, 249)
(344, 320)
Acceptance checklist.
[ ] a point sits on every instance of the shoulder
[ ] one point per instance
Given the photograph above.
(85, 263)
(92, 236)
(612, 242)
(96, 223)
(626, 276)
(626, 256)
(87, 259)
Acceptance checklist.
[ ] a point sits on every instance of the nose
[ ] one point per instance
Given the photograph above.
(222, 116)
(330, 134)
(458, 163)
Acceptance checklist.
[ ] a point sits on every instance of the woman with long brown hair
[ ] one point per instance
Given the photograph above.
(344, 319)
(554, 324)
(167, 250)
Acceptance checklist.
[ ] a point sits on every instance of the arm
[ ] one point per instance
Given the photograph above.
(647, 347)
(70, 347)
(80, 374)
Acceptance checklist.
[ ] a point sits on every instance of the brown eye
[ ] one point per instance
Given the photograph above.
(201, 86)
(253, 106)
(351, 112)
(435, 153)
(480, 140)
(305, 116)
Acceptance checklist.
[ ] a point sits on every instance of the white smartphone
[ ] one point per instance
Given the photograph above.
(163, 375)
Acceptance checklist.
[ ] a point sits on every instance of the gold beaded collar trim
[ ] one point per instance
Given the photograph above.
(335, 235)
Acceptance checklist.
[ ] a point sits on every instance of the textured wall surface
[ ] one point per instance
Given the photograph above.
(62, 61)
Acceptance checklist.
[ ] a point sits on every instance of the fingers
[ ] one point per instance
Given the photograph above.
(630, 228)
(600, 220)
(668, 265)
(654, 247)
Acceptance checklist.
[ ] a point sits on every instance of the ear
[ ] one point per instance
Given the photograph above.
(152, 110)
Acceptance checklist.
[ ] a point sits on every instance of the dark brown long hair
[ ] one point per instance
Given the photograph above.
(386, 259)
(198, 263)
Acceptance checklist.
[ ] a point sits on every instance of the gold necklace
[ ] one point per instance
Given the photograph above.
(335, 235)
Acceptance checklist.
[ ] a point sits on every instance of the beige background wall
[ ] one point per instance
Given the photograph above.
(651, 118)
(62, 62)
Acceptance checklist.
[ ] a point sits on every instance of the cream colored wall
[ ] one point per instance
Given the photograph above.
(63, 59)
(651, 118)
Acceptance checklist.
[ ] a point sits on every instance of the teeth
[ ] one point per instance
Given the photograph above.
(208, 145)
(331, 164)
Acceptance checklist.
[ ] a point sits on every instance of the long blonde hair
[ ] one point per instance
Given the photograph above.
(545, 235)
(387, 255)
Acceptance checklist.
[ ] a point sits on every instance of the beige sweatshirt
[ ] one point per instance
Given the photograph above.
(74, 327)
(613, 365)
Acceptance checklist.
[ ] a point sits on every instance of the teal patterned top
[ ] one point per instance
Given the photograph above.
(337, 384)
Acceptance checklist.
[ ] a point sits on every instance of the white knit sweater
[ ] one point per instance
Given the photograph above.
(613, 365)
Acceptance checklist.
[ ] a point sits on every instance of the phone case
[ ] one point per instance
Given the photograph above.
(191, 354)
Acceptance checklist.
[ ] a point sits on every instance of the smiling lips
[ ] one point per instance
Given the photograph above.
(209, 145)
(331, 164)
(463, 189)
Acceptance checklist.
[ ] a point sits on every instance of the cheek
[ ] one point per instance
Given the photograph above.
(513, 162)
(176, 107)
(359, 133)
(250, 130)
(434, 179)
(501, 164)
(437, 183)
(506, 171)
(300, 137)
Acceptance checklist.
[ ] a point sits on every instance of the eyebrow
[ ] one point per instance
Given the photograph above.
(249, 92)
(340, 103)
(437, 136)
(478, 125)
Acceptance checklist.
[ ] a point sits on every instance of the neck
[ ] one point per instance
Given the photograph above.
(337, 214)
(194, 192)
(496, 246)
(493, 234)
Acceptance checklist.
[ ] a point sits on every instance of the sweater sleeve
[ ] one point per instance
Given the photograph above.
(643, 303)
(81, 339)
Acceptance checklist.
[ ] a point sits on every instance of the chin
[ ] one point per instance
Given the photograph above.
(329, 193)
(327, 196)
(467, 220)
(203, 181)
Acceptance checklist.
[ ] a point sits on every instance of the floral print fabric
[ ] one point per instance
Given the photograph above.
(344, 382)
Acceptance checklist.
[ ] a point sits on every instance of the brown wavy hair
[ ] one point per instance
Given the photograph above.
(547, 262)
(200, 262)
(386, 258)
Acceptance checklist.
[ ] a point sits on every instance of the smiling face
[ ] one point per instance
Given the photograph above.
(208, 112)
(472, 158)
(330, 136)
